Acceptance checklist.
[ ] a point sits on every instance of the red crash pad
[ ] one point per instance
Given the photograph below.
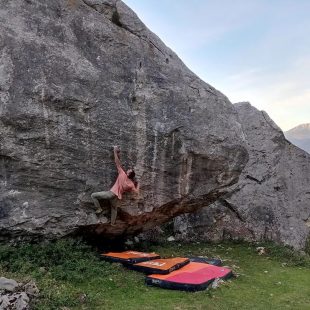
(192, 277)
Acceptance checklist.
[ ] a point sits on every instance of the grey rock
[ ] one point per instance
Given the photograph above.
(15, 296)
(42, 270)
(77, 77)
(261, 250)
(82, 298)
(16, 301)
(22, 301)
(4, 302)
(8, 284)
(31, 289)
(271, 201)
(216, 283)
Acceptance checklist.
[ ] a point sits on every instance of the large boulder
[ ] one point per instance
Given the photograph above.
(77, 77)
(272, 198)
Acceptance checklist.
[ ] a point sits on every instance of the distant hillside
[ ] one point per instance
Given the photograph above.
(300, 136)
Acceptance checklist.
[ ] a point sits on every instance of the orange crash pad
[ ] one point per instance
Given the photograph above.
(160, 266)
(129, 257)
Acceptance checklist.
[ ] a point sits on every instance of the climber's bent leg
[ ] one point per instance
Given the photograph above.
(96, 203)
(107, 195)
(114, 206)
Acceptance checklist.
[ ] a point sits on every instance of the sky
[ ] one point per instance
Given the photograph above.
(250, 50)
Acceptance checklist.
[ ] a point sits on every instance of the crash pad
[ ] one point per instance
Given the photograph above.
(192, 277)
(128, 257)
(161, 266)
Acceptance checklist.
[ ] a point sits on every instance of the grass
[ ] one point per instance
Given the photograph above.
(70, 276)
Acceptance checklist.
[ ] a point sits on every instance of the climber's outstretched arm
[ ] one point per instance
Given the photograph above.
(116, 158)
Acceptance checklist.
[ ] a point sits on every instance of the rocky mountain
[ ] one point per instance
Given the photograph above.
(271, 201)
(79, 76)
(300, 136)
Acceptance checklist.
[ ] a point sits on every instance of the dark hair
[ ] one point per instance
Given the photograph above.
(132, 175)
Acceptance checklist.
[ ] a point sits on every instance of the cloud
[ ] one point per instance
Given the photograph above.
(284, 95)
(256, 50)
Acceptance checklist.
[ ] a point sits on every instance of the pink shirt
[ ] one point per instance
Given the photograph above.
(122, 184)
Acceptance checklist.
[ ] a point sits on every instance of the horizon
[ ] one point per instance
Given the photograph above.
(253, 51)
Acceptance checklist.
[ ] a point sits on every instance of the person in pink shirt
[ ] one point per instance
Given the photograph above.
(125, 182)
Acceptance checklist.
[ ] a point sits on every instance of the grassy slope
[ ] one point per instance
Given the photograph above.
(278, 280)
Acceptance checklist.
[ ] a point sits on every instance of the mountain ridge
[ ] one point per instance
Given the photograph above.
(300, 136)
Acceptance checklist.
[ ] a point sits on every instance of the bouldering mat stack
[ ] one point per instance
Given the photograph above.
(129, 257)
(161, 266)
(178, 273)
(192, 277)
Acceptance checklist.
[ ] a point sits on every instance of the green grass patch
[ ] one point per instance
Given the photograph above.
(70, 274)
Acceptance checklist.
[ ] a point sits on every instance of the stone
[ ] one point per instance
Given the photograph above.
(8, 284)
(271, 201)
(11, 297)
(42, 269)
(171, 239)
(31, 289)
(261, 250)
(4, 302)
(22, 301)
(82, 298)
(80, 76)
(216, 283)
(16, 301)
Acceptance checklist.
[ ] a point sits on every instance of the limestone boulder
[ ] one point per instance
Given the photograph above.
(76, 78)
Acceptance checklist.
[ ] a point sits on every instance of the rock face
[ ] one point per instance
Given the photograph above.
(77, 77)
(300, 136)
(272, 198)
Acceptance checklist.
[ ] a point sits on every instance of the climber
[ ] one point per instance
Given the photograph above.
(125, 182)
